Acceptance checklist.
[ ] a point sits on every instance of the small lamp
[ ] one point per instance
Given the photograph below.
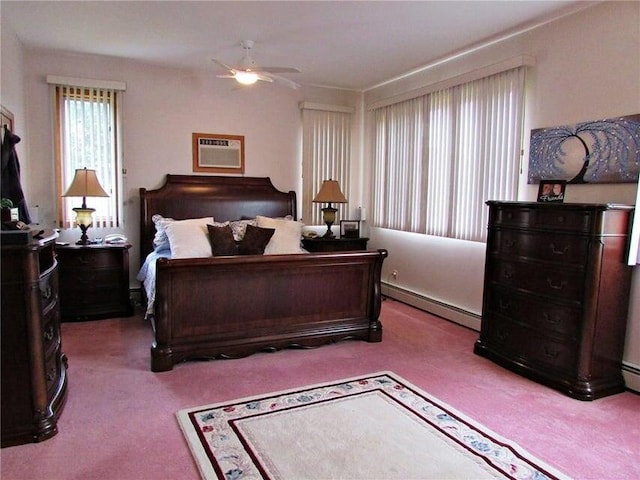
(329, 193)
(85, 184)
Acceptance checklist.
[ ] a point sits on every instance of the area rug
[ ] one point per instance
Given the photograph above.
(378, 426)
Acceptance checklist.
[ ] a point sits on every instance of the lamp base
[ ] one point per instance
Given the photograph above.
(84, 239)
(329, 233)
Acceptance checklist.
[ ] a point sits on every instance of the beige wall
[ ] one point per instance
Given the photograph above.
(587, 68)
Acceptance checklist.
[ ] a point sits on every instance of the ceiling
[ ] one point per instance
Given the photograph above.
(347, 44)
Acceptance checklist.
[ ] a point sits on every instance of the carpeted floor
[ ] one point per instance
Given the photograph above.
(119, 421)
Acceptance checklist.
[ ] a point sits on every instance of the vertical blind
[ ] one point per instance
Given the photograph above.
(326, 145)
(87, 137)
(440, 156)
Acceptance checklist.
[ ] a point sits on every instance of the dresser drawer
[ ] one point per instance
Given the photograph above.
(555, 319)
(530, 347)
(567, 249)
(550, 280)
(51, 331)
(578, 221)
(48, 286)
(78, 258)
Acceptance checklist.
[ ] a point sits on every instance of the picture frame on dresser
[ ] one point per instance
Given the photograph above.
(349, 228)
(551, 190)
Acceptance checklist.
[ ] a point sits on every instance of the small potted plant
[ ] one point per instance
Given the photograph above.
(6, 205)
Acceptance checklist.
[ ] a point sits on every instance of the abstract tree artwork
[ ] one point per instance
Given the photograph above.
(602, 151)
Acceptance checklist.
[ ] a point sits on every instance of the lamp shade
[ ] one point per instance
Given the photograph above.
(330, 193)
(85, 184)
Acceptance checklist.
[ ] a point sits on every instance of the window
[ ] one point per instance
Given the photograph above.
(326, 146)
(87, 135)
(440, 156)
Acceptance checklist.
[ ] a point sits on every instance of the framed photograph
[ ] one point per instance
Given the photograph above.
(350, 228)
(551, 190)
(216, 153)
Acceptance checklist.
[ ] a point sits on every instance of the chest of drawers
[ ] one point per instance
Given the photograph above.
(34, 380)
(556, 294)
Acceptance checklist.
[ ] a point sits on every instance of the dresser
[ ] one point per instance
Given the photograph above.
(556, 294)
(94, 281)
(34, 380)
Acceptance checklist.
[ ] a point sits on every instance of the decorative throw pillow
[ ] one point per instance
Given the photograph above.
(160, 240)
(240, 226)
(189, 238)
(222, 242)
(286, 238)
(255, 240)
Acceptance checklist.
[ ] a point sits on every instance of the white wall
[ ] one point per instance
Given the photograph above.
(588, 68)
(161, 108)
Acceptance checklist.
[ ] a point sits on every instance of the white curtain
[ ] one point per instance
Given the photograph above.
(326, 154)
(439, 157)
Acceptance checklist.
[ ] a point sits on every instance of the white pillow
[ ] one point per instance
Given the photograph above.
(189, 238)
(286, 238)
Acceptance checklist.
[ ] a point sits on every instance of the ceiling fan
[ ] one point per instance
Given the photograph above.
(248, 72)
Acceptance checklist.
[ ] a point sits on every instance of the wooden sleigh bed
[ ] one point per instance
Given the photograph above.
(233, 306)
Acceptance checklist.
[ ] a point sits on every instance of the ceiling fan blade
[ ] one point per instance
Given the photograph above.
(285, 81)
(264, 78)
(277, 69)
(223, 65)
(225, 76)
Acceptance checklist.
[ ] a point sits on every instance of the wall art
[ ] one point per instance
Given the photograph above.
(601, 151)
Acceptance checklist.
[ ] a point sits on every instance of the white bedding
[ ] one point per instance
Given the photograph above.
(147, 275)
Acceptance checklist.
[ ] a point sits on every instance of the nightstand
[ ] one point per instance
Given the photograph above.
(94, 281)
(334, 244)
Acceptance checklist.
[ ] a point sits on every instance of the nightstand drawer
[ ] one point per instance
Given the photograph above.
(94, 281)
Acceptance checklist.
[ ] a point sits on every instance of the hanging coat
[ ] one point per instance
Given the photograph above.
(11, 187)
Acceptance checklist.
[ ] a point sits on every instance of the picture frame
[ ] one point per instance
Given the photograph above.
(218, 153)
(350, 228)
(551, 190)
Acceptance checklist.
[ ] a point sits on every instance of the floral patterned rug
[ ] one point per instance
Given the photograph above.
(377, 426)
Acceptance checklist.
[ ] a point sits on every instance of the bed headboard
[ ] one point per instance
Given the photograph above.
(223, 198)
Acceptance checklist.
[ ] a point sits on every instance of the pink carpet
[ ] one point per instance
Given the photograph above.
(119, 421)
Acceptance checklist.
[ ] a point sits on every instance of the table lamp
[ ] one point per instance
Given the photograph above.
(329, 193)
(85, 184)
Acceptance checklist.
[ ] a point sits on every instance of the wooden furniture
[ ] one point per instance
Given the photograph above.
(224, 307)
(556, 294)
(334, 244)
(94, 281)
(34, 380)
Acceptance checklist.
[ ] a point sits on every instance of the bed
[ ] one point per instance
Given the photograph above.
(232, 306)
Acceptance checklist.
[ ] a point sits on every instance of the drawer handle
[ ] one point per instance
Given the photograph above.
(557, 251)
(550, 319)
(502, 335)
(509, 243)
(556, 286)
(504, 305)
(46, 293)
(48, 335)
(550, 353)
(507, 273)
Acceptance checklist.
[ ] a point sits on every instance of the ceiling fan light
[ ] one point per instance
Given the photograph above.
(246, 78)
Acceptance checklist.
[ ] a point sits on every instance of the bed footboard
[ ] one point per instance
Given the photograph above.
(229, 307)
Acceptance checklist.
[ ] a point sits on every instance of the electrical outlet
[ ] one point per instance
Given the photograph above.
(394, 274)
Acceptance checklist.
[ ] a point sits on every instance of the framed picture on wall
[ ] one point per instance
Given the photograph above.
(216, 153)
(350, 228)
(551, 190)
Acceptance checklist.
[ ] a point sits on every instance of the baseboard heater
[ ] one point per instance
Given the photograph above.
(630, 372)
(431, 305)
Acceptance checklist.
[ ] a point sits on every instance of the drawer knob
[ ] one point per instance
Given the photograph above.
(556, 285)
(550, 319)
(509, 243)
(46, 292)
(558, 251)
(48, 335)
(504, 305)
(550, 353)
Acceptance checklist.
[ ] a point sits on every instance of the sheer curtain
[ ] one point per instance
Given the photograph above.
(326, 154)
(87, 136)
(440, 156)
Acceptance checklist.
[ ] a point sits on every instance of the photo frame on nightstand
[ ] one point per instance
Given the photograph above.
(350, 228)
